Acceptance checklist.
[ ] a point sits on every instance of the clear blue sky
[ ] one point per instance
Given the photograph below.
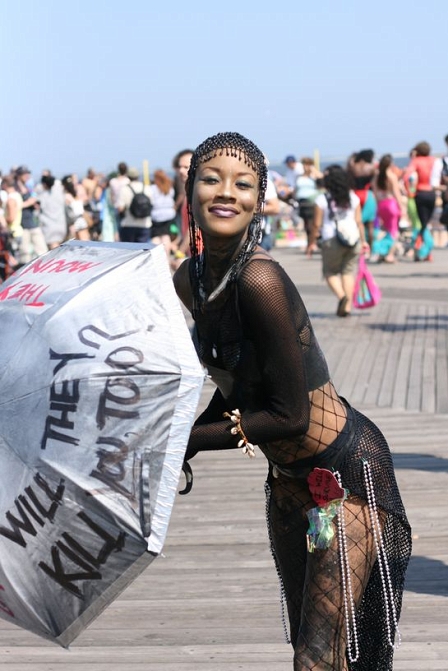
(91, 83)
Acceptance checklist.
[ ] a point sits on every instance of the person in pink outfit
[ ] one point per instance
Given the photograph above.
(391, 208)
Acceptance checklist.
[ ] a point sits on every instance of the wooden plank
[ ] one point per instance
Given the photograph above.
(374, 337)
(380, 358)
(429, 361)
(405, 355)
(441, 360)
(354, 363)
(388, 379)
(415, 374)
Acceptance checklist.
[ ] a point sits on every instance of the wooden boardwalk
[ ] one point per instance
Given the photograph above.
(211, 603)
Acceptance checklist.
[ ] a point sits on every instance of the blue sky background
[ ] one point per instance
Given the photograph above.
(95, 82)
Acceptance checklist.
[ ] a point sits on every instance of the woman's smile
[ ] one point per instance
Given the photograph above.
(222, 211)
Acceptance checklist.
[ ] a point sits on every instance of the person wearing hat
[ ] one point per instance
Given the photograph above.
(133, 229)
(293, 170)
(32, 242)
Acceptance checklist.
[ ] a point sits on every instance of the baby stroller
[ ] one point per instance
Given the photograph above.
(8, 262)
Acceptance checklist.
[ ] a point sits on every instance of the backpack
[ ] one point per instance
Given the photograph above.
(347, 231)
(140, 206)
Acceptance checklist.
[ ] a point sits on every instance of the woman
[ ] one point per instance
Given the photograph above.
(361, 169)
(109, 221)
(390, 209)
(339, 262)
(305, 193)
(274, 389)
(52, 217)
(74, 211)
(12, 235)
(410, 185)
(428, 171)
(163, 213)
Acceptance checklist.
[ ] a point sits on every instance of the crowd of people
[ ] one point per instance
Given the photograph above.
(37, 215)
(391, 198)
(390, 210)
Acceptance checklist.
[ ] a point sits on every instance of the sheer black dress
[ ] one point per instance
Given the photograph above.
(257, 342)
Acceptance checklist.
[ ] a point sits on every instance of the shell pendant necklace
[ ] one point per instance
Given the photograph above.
(219, 289)
(210, 298)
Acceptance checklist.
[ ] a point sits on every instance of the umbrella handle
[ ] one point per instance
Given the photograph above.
(186, 468)
(145, 508)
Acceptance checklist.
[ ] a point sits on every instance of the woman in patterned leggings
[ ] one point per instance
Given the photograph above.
(339, 533)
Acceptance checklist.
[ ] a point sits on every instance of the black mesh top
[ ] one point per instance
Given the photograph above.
(258, 344)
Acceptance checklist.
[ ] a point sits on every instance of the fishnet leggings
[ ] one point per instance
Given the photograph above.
(312, 581)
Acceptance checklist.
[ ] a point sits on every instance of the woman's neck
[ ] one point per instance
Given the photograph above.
(219, 256)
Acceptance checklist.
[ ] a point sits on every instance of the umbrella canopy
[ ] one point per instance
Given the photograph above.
(99, 384)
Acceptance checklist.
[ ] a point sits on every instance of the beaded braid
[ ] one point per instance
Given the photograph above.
(236, 145)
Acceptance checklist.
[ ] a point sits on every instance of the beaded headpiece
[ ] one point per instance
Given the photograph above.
(229, 144)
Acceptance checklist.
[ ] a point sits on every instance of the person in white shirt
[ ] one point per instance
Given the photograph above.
(293, 170)
(270, 209)
(339, 262)
(163, 213)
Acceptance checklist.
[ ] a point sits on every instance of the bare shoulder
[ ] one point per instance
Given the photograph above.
(182, 284)
(392, 176)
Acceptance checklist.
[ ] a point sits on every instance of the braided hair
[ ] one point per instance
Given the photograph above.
(236, 145)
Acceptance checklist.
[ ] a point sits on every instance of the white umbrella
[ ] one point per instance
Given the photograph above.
(99, 384)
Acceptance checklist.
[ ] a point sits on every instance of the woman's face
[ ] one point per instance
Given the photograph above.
(225, 196)
(307, 169)
(183, 166)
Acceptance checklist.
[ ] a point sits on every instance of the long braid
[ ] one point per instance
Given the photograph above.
(236, 145)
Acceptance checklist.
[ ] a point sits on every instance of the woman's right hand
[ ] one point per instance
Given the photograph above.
(365, 247)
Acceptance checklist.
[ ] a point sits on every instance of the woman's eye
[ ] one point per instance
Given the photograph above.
(244, 185)
(210, 180)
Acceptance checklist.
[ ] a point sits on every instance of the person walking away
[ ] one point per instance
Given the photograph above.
(361, 169)
(32, 242)
(428, 171)
(163, 213)
(306, 193)
(339, 261)
(343, 579)
(387, 192)
(115, 184)
(135, 226)
(52, 219)
(109, 215)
